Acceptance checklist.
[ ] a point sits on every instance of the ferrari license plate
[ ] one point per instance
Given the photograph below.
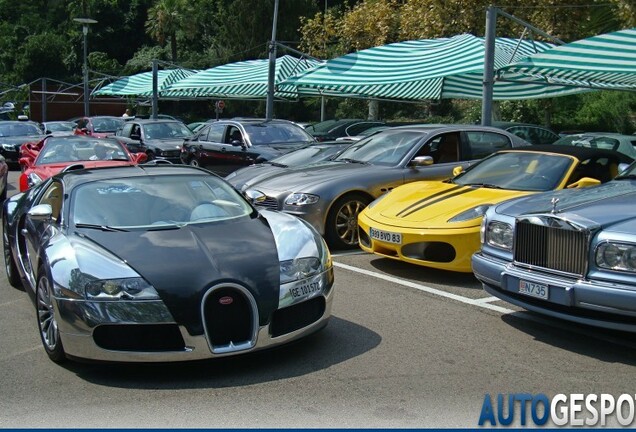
(533, 289)
(385, 236)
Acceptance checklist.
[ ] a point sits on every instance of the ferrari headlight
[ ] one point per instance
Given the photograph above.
(616, 256)
(299, 268)
(301, 199)
(33, 179)
(499, 234)
(124, 289)
(473, 213)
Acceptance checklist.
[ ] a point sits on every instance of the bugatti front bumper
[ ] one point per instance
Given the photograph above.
(145, 331)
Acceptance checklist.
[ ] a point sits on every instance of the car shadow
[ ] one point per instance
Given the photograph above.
(340, 341)
(609, 346)
(424, 274)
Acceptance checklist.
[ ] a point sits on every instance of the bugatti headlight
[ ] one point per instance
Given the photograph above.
(33, 179)
(299, 268)
(616, 256)
(124, 289)
(301, 199)
(498, 234)
(472, 213)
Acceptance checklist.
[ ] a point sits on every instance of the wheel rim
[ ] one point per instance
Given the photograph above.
(46, 315)
(194, 163)
(7, 252)
(347, 222)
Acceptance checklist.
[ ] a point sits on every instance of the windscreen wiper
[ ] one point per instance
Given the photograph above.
(354, 161)
(484, 185)
(100, 227)
(276, 164)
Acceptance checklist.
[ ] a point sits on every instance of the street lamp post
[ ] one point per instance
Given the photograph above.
(85, 23)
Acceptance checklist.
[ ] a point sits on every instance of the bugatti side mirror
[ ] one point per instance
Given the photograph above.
(41, 212)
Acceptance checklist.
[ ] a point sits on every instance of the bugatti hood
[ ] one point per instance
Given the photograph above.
(184, 262)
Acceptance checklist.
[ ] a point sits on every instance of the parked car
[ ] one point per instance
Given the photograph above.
(568, 254)
(15, 133)
(436, 223)
(58, 128)
(224, 146)
(331, 194)
(164, 263)
(58, 153)
(536, 135)
(622, 143)
(310, 154)
(163, 139)
(329, 130)
(98, 126)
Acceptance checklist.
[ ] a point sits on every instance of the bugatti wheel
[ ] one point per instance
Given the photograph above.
(47, 320)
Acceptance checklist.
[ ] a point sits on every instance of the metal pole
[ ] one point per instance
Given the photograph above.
(489, 67)
(155, 89)
(43, 98)
(269, 108)
(86, 104)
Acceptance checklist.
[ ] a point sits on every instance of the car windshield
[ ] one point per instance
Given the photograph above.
(59, 126)
(276, 133)
(18, 129)
(166, 130)
(155, 202)
(602, 142)
(385, 148)
(107, 124)
(526, 171)
(63, 150)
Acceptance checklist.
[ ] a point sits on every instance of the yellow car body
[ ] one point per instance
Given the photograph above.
(413, 222)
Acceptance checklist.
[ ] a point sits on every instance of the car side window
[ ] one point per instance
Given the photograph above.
(233, 134)
(215, 133)
(53, 197)
(126, 130)
(482, 144)
(443, 148)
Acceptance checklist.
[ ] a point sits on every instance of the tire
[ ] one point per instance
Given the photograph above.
(47, 322)
(10, 267)
(341, 229)
(150, 155)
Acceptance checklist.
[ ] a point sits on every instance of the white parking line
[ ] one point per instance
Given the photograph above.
(474, 302)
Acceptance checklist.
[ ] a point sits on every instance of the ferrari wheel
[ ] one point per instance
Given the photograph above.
(341, 230)
(47, 322)
(9, 262)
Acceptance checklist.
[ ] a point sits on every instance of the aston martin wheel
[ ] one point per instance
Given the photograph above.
(341, 231)
(9, 261)
(47, 321)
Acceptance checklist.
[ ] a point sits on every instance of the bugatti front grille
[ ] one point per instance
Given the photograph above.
(268, 203)
(555, 248)
(229, 319)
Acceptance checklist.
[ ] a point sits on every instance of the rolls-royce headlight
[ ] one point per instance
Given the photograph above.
(124, 289)
(33, 179)
(499, 234)
(299, 268)
(301, 199)
(616, 256)
(473, 213)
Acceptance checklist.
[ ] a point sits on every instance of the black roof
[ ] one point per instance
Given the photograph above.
(579, 152)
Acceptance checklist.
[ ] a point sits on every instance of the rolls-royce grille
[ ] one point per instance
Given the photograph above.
(228, 317)
(553, 248)
(295, 317)
(268, 203)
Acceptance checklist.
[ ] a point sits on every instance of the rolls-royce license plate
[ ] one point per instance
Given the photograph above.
(533, 289)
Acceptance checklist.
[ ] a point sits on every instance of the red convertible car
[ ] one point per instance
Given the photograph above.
(58, 153)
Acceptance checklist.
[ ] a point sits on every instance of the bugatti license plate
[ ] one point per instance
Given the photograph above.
(385, 236)
(533, 289)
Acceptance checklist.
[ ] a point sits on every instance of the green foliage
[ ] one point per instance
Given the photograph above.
(42, 55)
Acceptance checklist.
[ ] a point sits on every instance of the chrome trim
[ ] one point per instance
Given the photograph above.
(231, 347)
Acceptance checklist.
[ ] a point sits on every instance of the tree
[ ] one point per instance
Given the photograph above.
(165, 18)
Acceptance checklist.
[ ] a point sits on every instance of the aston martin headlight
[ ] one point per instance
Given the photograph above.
(616, 256)
(299, 268)
(124, 289)
(33, 179)
(499, 234)
(301, 199)
(472, 213)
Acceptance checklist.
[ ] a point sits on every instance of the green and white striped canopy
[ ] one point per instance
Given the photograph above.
(141, 83)
(240, 80)
(421, 69)
(606, 61)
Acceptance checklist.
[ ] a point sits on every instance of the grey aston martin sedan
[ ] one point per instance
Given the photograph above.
(330, 195)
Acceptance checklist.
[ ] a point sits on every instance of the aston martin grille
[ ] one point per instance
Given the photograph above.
(554, 248)
(268, 203)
